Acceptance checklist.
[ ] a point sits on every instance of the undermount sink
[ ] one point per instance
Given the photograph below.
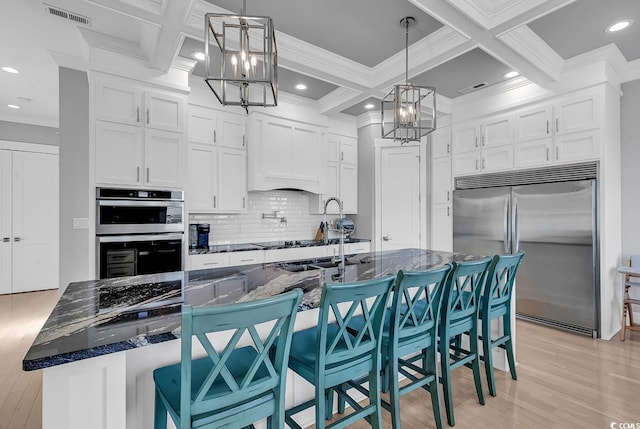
(314, 264)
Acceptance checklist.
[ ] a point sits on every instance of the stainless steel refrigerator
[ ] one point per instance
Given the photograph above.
(555, 224)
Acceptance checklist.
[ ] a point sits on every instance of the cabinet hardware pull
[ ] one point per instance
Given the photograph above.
(138, 114)
(214, 201)
(211, 263)
(448, 148)
(557, 125)
(214, 136)
(244, 200)
(17, 238)
(557, 153)
(386, 238)
(243, 141)
(448, 211)
(447, 195)
(484, 140)
(476, 141)
(341, 156)
(547, 154)
(137, 173)
(147, 174)
(476, 164)
(547, 126)
(6, 239)
(147, 116)
(484, 163)
(246, 260)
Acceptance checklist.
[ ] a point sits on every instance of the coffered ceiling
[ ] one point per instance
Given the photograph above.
(348, 53)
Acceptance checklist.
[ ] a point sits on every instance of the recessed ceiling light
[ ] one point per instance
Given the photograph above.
(198, 55)
(301, 86)
(369, 106)
(13, 106)
(509, 75)
(10, 70)
(621, 25)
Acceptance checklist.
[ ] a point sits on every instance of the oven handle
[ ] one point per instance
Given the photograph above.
(142, 237)
(138, 203)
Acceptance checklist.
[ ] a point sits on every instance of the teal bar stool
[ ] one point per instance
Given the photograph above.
(496, 304)
(235, 387)
(409, 335)
(330, 356)
(459, 316)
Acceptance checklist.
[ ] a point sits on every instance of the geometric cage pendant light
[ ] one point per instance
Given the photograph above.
(410, 110)
(241, 59)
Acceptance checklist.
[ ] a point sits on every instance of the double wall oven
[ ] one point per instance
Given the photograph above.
(138, 232)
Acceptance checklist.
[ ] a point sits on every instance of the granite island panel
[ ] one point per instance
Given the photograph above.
(96, 318)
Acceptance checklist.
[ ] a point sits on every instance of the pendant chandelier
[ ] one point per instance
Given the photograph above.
(404, 103)
(241, 59)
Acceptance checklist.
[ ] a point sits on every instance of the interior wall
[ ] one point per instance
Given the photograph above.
(74, 174)
(364, 220)
(27, 133)
(630, 158)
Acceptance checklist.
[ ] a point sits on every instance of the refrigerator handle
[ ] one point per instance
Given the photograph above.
(507, 235)
(515, 227)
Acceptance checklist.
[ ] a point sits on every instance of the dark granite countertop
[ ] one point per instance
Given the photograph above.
(100, 317)
(286, 244)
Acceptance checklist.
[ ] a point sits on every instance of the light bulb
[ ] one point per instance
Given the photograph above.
(254, 60)
(234, 63)
(243, 56)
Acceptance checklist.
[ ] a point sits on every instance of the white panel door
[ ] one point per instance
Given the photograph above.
(577, 146)
(533, 153)
(349, 188)
(118, 103)
(465, 138)
(231, 130)
(202, 184)
(202, 123)
(576, 115)
(400, 197)
(163, 111)
(6, 227)
(466, 163)
(163, 155)
(441, 142)
(35, 221)
(119, 154)
(333, 148)
(349, 150)
(497, 158)
(533, 123)
(497, 131)
(232, 180)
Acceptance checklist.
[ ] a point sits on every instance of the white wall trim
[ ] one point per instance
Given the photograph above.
(29, 147)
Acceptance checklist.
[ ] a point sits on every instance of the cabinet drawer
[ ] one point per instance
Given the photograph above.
(215, 260)
(351, 248)
(121, 270)
(246, 258)
(121, 256)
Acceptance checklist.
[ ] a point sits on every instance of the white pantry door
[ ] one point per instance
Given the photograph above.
(35, 221)
(400, 197)
(5, 222)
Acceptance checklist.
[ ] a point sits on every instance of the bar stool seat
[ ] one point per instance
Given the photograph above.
(631, 280)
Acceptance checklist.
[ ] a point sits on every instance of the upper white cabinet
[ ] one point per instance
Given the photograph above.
(483, 146)
(139, 135)
(283, 153)
(341, 176)
(217, 162)
(132, 104)
(565, 131)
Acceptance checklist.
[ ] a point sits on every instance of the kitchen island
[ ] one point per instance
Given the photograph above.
(103, 339)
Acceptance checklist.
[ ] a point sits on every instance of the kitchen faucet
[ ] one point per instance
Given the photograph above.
(340, 230)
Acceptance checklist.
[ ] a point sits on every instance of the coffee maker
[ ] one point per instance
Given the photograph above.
(199, 235)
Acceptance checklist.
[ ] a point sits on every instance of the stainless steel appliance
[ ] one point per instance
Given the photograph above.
(138, 232)
(551, 215)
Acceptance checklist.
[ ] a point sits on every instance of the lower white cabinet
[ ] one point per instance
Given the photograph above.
(28, 221)
(132, 156)
(246, 258)
(208, 261)
(442, 228)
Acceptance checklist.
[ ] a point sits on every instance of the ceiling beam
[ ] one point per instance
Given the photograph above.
(450, 16)
(170, 38)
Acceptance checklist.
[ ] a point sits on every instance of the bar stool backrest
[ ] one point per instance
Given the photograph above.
(498, 289)
(460, 301)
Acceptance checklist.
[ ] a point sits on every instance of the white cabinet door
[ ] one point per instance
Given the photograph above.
(119, 154)
(349, 188)
(35, 221)
(232, 180)
(441, 142)
(466, 163)
(497, 159)
(441, 180)
(577, 146)
(577, 114)
(533, 153)
(465, 138)
(231, 131)
(201, 193)
(163, 159)
(277, 139)
(442, 228)
(333, 148)
(118, 103)
(305, 153)
(6, 223)
(533, 124)
(202, 125)
(163, 111)
(348, 150)
(497, 131)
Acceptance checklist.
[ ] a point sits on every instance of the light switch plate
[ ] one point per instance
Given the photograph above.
(80, 223)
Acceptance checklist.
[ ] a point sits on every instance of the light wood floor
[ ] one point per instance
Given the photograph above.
(564, 380)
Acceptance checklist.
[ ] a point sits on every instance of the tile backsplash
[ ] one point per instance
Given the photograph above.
(293, 220)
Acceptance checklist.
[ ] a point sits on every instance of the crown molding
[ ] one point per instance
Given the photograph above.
(69, 61)
(608, 53)
(103, 41)
(30, 120)
(531, 46)
(632, 72)
(491, 13)
(368, 118)
(184, 64)
(529, 15)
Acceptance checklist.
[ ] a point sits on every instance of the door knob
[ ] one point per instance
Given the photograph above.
(16, 239)
(6, 239)
(385, 238)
